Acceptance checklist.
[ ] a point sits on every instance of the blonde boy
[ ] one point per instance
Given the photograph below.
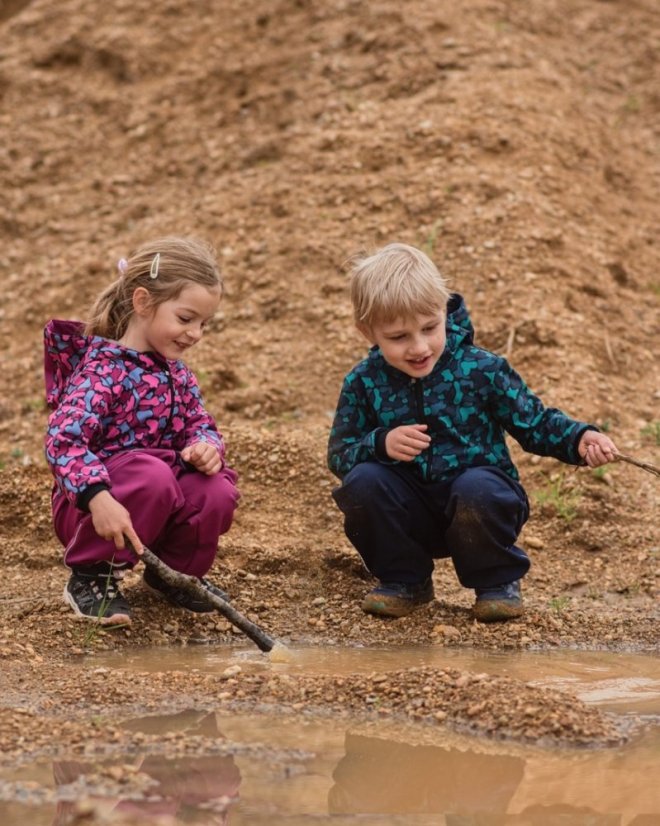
(418, 441)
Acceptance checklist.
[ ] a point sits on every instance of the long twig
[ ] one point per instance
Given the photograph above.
(193, 586)
(621, 457)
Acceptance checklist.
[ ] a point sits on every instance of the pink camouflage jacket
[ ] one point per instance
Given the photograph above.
(107, 398)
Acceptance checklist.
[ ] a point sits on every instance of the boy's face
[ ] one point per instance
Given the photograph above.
(412, 344)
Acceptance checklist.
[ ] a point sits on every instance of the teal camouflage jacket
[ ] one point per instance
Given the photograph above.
(469, 401)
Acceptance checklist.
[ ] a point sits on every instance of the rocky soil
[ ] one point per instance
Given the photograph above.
(516, 143)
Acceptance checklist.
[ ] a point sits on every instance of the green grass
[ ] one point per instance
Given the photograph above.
(560, 497)
(651, 432)
(94, 628)
(428, 245)
(559, 604)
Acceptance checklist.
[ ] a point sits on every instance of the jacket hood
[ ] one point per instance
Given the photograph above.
(458, 319)
(64, 347)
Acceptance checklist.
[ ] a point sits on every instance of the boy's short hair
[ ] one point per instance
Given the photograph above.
(397, 281)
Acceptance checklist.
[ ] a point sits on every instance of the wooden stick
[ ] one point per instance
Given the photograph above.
(620, 457)
(193, 586)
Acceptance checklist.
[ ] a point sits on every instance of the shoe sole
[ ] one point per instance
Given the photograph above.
(497, 611)
(113, 621)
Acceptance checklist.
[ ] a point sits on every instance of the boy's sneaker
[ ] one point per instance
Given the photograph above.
(397, 599)
(500, 602)
(182, 599)
(93, 593)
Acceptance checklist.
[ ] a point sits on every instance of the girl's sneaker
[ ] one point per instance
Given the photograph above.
(397, 599)
(93, 593)
(180, 598)
(498, 603)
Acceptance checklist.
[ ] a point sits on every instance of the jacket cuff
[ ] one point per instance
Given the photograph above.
(577, 459)
(86, 496)
(379, 444)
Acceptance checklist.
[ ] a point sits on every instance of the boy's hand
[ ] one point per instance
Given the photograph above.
(596, 448)
(204, 457)
(407, 441)
(112, 521)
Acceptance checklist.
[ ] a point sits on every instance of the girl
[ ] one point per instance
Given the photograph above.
(135, 455)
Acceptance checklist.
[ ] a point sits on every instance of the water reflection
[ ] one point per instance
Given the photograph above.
(311, 771)
(196, 790)
(378, 776)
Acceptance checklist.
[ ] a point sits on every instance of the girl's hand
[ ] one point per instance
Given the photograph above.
(204, 457)
(112, 521)
(407, 441)
(596, 448)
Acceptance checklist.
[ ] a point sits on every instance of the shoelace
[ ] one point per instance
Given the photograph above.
(110, 587)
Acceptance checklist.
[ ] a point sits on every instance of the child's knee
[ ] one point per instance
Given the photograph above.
(483, 488)
(364, 480)
(483, 497)
(226, 490)
(144, 476)
(217, 492)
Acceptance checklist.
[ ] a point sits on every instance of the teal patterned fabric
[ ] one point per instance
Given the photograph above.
(469, 402)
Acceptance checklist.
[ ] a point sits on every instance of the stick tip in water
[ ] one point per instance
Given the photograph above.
(279, 653)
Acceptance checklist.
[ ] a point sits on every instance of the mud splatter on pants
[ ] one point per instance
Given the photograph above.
(399, 524)
(177, 512)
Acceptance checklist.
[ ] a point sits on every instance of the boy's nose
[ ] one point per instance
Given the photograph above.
(417, 346)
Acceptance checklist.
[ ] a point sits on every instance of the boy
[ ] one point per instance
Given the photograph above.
(418, 443)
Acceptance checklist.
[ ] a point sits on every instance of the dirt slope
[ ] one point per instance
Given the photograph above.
(516, 143)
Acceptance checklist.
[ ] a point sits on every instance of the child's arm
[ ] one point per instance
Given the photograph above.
(204, 447)
(355, 437)
(544, 430)
(73, 426)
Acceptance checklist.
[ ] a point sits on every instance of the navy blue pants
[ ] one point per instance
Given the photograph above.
(399, 524)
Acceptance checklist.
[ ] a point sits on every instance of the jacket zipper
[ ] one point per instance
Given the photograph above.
(170, 385)
(418, 403)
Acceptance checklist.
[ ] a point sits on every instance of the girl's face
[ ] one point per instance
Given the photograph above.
(173, 326)
(412, 345)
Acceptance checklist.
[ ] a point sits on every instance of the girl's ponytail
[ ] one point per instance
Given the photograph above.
(110, 312)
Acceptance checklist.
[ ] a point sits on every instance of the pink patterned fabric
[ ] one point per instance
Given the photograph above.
(107, 398)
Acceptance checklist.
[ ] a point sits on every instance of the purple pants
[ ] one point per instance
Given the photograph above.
(179, 514)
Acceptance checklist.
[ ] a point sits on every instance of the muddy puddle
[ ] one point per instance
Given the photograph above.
(293, 770)
(621, 682)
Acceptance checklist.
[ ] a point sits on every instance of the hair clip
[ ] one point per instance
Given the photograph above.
(155, 263)
(122, 265)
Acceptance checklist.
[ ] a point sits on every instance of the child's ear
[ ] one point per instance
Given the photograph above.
(141, 301)
(366, 331)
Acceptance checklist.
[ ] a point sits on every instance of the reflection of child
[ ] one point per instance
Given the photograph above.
(418, 442)
(180, 788)
(378, 776)
(135, 455)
